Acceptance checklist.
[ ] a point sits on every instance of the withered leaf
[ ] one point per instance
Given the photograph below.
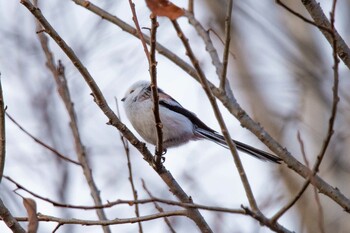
(165, 8)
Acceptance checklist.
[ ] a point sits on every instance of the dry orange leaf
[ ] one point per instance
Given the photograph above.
(165, 8)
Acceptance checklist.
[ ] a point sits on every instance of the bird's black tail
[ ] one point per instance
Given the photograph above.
(217, 138)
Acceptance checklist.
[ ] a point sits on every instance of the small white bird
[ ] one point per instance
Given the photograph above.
(179, 125)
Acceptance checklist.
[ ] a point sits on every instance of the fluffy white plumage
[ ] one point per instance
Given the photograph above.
(179, 124)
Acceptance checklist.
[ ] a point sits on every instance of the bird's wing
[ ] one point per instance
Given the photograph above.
(173, 105)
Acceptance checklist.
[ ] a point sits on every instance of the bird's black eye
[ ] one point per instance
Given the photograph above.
(131, 91)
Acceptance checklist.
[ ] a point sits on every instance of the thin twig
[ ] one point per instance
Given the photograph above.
(300, 16)
(151, 57)
(131, 179)
(154, 89)
(158, 207)
(218, 116)
(315, 11)
(208, 43)
(286, 207)
(335, 88)
(227, 45)
(2, 132)
(209, 46)
(138, 29)
(84, 222)
(53, 150)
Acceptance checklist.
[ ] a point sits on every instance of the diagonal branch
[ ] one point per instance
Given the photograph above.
(138, 29)
(324, 25)
(290, 10)
(316, 12)
(218, 116)
(53, 150)
(9, 220)
(152, 63)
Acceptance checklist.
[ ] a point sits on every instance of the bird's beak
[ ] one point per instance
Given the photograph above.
(123, 99)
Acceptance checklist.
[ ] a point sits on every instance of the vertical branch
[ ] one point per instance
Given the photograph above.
(151, 56)
(131, 179)
(227, 45)
(335, 91)
(2, 133)
(218, 116)
(154, 89)
(191, 6)
(5, 214)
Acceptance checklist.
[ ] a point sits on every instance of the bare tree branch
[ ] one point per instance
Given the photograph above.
(53, 150)
(2, 133)
(218, 116)
(227, 45)
(9, 220)
(316, 12)
(84, 222)
(138, 29)
(321, 27)
(154, 89)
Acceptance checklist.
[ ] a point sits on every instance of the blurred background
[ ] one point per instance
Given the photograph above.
(280, 70)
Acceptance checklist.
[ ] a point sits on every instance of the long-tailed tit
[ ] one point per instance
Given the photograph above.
(179, 125)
